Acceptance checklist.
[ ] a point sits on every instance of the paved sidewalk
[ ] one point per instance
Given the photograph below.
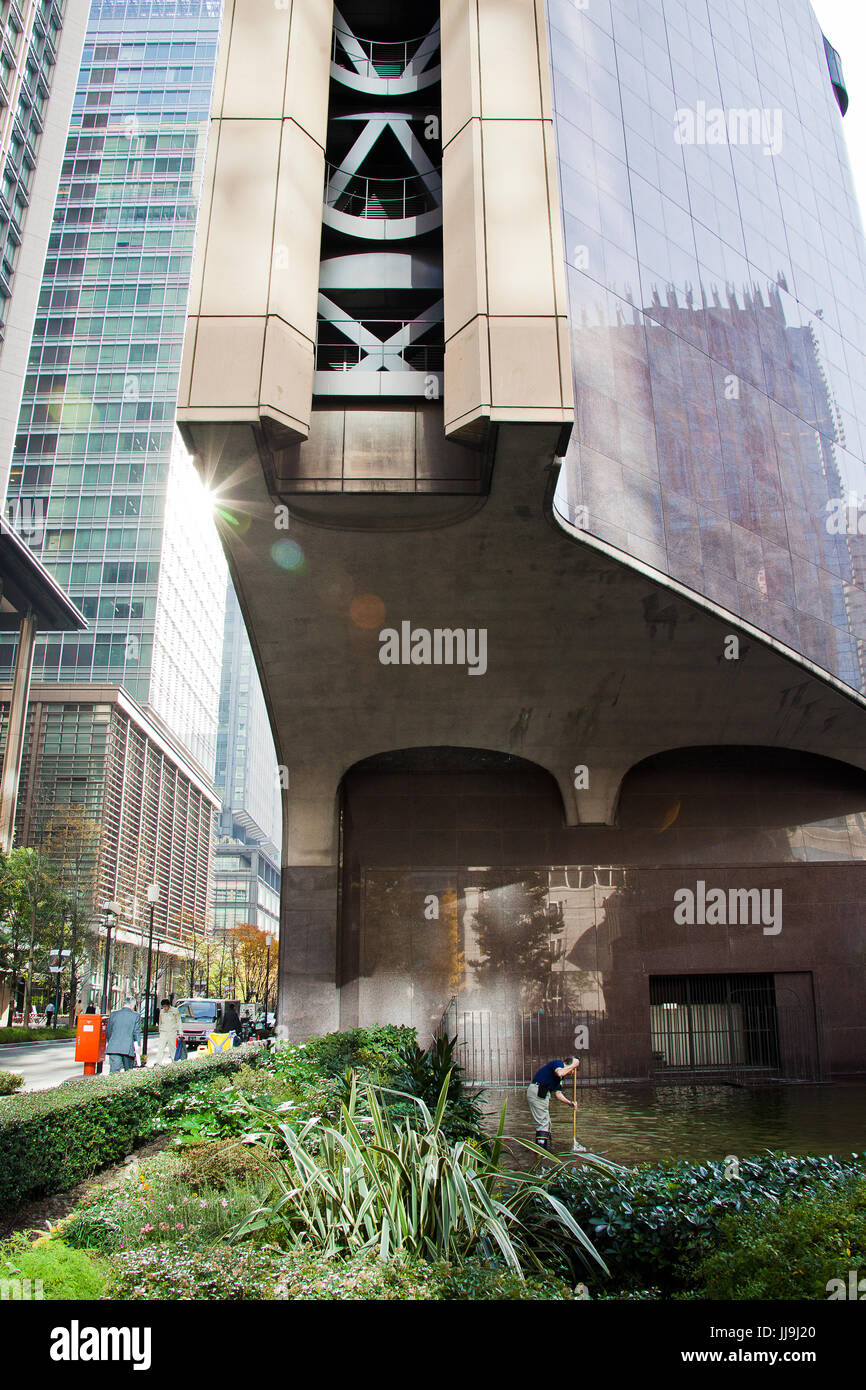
(42, 1064)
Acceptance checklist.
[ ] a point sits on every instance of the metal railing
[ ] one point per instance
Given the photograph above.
(380, 58)
(337, 352)
(506, 1048)
(379, 199)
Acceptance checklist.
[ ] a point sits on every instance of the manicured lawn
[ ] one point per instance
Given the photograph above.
(25, 1035)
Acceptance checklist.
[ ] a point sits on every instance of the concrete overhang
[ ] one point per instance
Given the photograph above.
(27, 587)
(590, 662)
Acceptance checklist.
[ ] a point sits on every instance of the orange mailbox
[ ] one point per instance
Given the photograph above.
(90, 1041)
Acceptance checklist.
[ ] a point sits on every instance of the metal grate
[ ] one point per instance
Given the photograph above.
(737, 1028)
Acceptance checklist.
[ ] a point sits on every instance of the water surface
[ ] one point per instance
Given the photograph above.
(646, 1123)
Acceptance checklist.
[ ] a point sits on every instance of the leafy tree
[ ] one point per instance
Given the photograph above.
(33, 905)
(13, 926)
(198, 934)
(72, 841)
(250, 956)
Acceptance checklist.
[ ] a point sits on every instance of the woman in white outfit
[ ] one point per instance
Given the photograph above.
(170, 1029)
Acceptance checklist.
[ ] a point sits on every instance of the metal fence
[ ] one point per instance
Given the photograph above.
(714, 1043)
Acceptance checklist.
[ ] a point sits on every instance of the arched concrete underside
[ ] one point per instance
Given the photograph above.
(462, 892)
(590, 664)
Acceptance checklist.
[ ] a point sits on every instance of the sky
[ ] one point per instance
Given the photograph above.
(844, 23)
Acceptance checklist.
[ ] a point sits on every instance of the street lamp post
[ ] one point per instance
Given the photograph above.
(152, 899)
(270, 940)
(109, 911)
(58, 969)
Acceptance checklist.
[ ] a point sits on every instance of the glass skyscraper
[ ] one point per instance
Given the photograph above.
(40, 52)
(95, 444)
(28, 50)
(122, 723)
(246, 866)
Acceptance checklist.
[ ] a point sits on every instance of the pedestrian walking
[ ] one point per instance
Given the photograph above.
(231, 1021)
(49, 1014)
(546, 1082)
(123, 1037)
(170, 1029)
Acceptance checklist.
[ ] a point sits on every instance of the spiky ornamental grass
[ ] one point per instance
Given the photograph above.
(373, 1183)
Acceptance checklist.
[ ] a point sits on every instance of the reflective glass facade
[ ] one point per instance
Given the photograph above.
(29, 36)
(96, 449)
(717, 309)
(246, 865)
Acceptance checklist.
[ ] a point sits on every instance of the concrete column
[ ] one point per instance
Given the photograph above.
(308, 969)
(15, 734)
(507, 355)
(249, 352)
(308, 995)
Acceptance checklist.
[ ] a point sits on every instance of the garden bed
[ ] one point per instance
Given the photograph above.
(355, 1166)
(43, 1212)
(51, 1140)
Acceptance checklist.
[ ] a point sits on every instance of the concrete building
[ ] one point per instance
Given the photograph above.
(135, 809)
(124, 525)
(526, 350)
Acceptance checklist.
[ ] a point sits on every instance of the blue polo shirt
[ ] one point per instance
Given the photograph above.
(546, 1076)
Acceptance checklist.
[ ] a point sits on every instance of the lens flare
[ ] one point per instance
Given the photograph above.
(367, 611)
(288, 555)
(240, 524)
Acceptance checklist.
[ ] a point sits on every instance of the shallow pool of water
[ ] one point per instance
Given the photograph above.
(644, 1123)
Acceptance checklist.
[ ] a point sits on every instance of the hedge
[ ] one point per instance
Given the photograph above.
(50, 1140)
(29, 1035)
(653, 1224)
(802, 1249)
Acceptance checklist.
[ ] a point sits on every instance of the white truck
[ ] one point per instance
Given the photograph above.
(200, 1017)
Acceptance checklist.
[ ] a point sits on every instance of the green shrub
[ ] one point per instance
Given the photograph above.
(184, 1270)
(317, 1076)
(185, 1273)
(217, 1164)
(365, 1050)
(375, 1183)
(218, 1108)
(653, 1224)
(25, 1035)
(63, 1272)
(10, 1082)
(791, 1251)
(50, 1140)
(421, 1074)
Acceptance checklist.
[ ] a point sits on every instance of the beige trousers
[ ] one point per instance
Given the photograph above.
(167, 1044)
(539, 1109)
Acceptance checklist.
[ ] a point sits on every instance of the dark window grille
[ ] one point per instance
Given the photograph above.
(710, 1021)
